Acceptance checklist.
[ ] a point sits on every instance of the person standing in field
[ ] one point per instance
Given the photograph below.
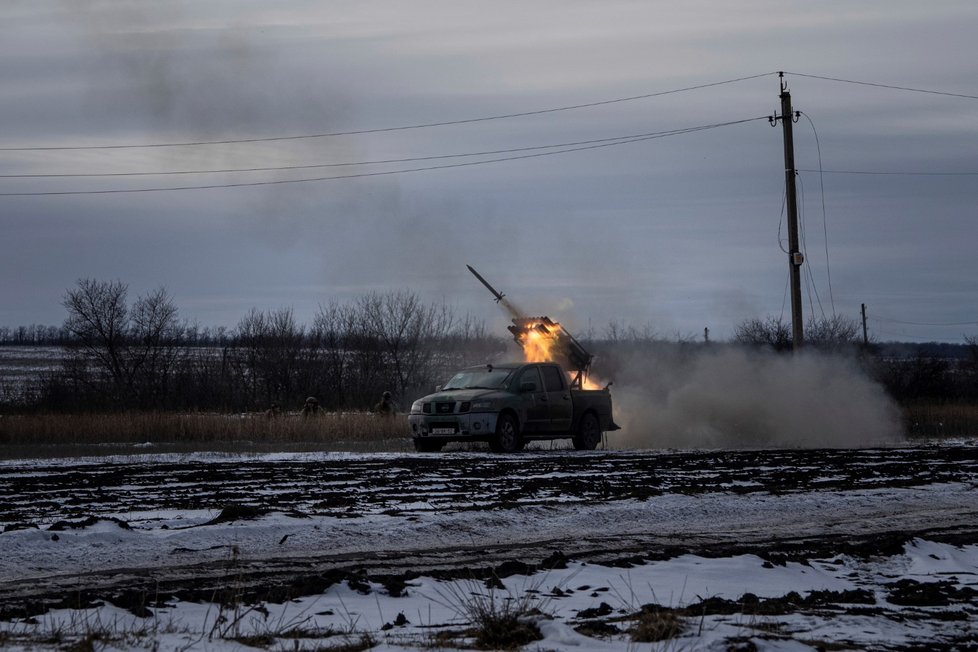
(311, 408)
(386, 407)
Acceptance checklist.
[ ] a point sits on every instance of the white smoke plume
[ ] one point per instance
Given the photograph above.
(727, 397)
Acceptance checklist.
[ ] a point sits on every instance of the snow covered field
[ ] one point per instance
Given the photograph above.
(778, 550)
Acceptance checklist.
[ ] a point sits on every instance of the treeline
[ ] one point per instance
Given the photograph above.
(922, 378)
(120, 355)
(47, 335)
(33, 335)
(929, 372)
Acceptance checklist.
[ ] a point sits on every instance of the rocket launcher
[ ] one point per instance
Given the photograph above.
(541, 338)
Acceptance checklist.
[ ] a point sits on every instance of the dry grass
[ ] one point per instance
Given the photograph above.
(498, 619)
(942, 420)
(170, 431)
(656, 624)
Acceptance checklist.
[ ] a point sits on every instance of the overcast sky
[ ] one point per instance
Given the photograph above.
(677, 233)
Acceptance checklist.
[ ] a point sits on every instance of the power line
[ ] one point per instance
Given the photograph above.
(879, 172)
(920, 323)
(650, 134)
(379, 173)
(890, 86)
(388, 129)
(809, 276)
(916, 338)
(473, 120)
(784, 197)
(825, 225)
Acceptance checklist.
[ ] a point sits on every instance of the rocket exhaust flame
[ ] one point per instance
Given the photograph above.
(544, 340)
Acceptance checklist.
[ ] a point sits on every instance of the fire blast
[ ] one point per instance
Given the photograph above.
(544, 340)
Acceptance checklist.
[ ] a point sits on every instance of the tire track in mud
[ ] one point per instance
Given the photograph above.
(39, 493)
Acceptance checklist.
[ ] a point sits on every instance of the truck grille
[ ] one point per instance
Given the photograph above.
(444, 408)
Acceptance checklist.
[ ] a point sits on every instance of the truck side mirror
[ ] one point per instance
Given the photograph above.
(437, 388)
(528, 387)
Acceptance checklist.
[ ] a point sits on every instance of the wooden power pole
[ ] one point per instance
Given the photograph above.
(865, 331)
(795, 257)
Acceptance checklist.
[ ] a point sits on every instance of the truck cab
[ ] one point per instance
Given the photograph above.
(508, 405)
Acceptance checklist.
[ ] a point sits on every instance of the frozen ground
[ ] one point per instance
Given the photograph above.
(782, 550)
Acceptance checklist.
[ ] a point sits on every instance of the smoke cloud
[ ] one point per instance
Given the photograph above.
(725, 397)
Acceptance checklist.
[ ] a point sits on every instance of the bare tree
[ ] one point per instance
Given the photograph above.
(245, 355)
(969, 365)
(284, 356)
(467, 343)
(833, 333)
(154, 345)
(125, 353)
(772, 332)
(98, 318)
(971, 341)
(331, 331)
(407, 330)
(267, 357)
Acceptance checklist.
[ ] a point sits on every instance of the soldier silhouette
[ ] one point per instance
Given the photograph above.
(386, 406)
(311, 408)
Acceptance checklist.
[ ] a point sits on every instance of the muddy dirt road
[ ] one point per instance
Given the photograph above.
(172, 524)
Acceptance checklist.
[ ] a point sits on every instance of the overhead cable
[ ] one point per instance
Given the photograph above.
(809, 276)
(424, 125)
(886, 173)
(890, 86)
(411, 159)
(973, 322)
(916, 338)
(379, 173)
(825, 226)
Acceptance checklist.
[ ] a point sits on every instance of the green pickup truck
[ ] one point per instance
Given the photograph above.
(508, 405)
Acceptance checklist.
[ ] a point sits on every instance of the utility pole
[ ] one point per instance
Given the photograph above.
(795, 257)
(865, 332)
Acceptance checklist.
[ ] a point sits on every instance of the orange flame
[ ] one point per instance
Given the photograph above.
(538, 341)
(587, 383)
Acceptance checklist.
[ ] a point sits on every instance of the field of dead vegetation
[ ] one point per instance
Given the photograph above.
(753, 549)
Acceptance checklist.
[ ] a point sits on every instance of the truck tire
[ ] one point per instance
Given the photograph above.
(588, 433)
(427, 445)
(507, 438)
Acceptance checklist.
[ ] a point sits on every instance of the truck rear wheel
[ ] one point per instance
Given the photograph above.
(507, 438)
(588, 433)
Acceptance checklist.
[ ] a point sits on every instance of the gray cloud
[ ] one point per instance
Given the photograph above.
(681, 232)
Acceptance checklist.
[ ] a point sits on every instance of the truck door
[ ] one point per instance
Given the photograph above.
(559, 398)
(533, 400)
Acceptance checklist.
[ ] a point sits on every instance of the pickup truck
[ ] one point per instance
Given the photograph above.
(508, 405)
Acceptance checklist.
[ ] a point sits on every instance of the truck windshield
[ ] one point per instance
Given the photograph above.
(479, 379)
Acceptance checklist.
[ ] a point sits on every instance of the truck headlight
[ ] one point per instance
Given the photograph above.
(482, 405)
(416, 406)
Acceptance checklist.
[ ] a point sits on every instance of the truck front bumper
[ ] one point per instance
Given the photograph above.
(475, 425)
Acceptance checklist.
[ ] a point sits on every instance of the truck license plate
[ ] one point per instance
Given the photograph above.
(443, 431)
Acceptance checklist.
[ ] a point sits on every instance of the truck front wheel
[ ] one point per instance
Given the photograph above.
(588, 433)
(507, 437)
(427, 445)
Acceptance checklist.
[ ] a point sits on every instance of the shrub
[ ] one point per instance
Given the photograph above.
(656, 624)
